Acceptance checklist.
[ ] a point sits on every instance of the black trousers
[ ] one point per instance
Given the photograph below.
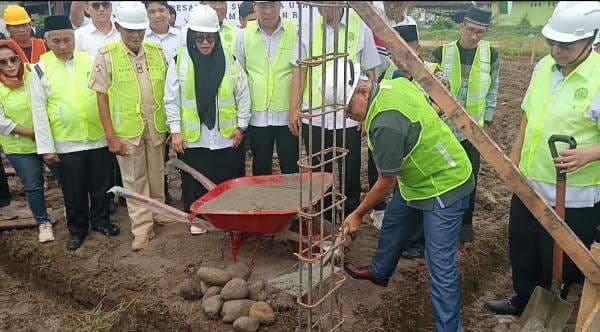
(5, 197)
(352, 169)
(217, 165)
(263, 140)
(475, 159)
(530, 248)
(86, 176)
(373, 174)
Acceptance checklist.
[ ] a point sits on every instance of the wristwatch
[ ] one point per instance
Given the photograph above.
(242, 130)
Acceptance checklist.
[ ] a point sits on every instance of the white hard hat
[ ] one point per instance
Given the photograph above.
(131, 15)
(203, 19)
(572, 21)
(352, 77)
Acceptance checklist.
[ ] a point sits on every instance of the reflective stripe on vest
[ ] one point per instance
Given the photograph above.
(317, 49)
(124, 94)
(437, 163)
(227, 108)
(228, 34)
(264, 75)
(71, 106)
(17, 107)
(479, 77)
(562, 111)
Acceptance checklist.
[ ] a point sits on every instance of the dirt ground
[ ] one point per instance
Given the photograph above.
(106, 286)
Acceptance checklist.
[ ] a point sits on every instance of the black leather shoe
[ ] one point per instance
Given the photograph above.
(503, 307)
(413, 253)
(74, 242)
(108, 230)
(362, 272)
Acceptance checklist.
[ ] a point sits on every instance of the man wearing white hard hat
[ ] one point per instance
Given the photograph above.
(207, 100)
(129, 78)
(563, 98)
(423, 164)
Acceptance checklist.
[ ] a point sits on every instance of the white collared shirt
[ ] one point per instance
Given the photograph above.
(89, 39)
(39, 90)
(576, 197)
(209, 138)
(169, 42)
(268, 117)
(367, 56)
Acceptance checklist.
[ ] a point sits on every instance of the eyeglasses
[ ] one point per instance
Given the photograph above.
(474, 31)
(562, 46)
(13, 60)
(208, 37)
(104, 4)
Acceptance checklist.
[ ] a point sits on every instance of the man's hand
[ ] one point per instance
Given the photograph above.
(293, 123)
(51, 158)
(178, 143)
(116, 146)
(237, 138)
(573, 159)
(350, 226)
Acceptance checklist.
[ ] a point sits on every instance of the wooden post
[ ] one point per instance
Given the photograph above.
(546, 216)
(589, 306)
(532, 52)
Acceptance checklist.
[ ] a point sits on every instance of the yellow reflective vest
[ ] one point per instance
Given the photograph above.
(17, 107)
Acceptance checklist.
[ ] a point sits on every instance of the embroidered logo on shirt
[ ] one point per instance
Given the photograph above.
(350, 36)
(139, 68)
(581, 93)
(98, 68)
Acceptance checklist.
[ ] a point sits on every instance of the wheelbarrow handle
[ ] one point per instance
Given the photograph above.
(208, 184)
(552, 145)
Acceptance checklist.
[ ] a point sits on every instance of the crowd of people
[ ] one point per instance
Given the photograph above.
(102, 98)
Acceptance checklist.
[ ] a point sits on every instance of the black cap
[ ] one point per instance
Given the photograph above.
(479, 16)
(246, 8)
(57, 22)
(408, 32)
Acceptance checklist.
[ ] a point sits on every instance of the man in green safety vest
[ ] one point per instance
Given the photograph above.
(129, 78)
(563, 98)
(228, 29)
(473, 69)
(420, 160)
(264, 49)
(68, 132)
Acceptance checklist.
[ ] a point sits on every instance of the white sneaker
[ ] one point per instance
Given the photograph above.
(197, 230)
(46, 234)
(377, 217)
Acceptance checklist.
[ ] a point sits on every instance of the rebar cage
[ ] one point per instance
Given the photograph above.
(320, 261)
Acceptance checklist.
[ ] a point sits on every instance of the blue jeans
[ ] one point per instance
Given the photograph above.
(442, 227)
(30, 168)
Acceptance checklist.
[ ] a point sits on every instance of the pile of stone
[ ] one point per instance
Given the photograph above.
(226, 294)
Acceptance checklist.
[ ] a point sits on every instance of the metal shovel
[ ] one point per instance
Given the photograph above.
(547, 311)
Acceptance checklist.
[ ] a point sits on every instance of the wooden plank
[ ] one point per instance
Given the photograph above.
(561, 233)
(590, 296)
(24, 220)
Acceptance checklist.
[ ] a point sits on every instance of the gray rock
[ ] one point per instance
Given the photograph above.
(283, 302)
(238, 270)
(257, 291)
(235, 289)
(203, 286)
(213, 277)
(235, 309)
(212, 306)
(263, 312)
(212, 291)
(245, 324)
(190, 290)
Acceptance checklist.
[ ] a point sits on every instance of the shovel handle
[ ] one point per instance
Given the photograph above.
(552, 144)
(208, 184)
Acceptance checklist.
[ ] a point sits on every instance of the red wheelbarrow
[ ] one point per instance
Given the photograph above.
(241, 224)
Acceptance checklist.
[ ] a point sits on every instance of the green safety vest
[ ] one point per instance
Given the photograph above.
(437, 163)
(264, 75)
(317, 50)
(228, 33)
(125, 96)
(389, 73)
(227, 108)
(71, 106)
(17, 107)
(480, 78)
(561, 111)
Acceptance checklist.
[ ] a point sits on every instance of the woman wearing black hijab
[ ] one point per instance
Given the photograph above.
(207, 101)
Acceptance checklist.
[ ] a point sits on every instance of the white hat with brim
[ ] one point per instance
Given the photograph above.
(131, 15)
(573, 21)
(198, 28)
(132, 26)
